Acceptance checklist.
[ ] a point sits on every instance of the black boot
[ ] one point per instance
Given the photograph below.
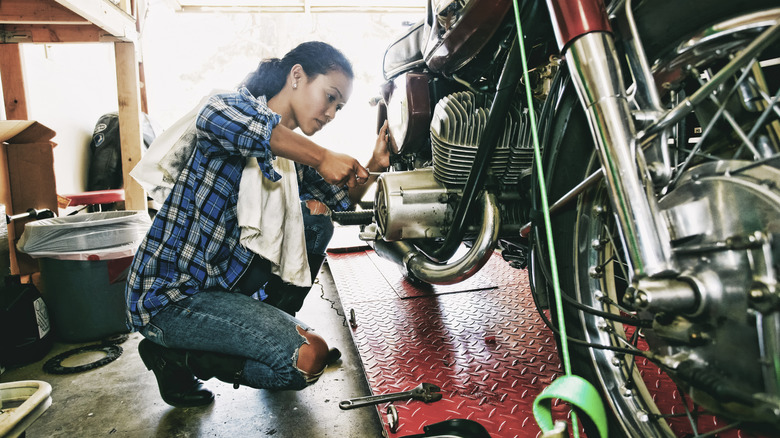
(205, 365)
(178, 386)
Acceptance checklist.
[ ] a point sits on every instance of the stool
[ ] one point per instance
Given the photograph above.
(96, 197)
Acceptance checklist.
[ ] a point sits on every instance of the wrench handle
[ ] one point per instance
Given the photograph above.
(374, 400)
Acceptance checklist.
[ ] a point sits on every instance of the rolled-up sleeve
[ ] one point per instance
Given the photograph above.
(239, 124)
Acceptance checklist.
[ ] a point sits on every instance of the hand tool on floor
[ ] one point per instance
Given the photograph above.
(426, 392)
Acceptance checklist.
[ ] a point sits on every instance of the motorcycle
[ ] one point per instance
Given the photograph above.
(659, 135)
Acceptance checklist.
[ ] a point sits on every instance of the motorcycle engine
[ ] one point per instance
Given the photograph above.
(411, 205)
(418, 204)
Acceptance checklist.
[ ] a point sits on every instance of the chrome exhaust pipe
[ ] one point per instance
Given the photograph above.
(413, 262)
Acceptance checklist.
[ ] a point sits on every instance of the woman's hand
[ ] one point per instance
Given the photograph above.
(341, 169)
(335, 168)
(381, 155)
(378, 163)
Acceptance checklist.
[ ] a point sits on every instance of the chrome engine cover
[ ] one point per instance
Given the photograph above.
(411, 205)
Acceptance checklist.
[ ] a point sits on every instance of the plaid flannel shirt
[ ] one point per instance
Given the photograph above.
(193, 243)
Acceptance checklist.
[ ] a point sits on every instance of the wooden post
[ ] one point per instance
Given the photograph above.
(12, 75)
(130, 127)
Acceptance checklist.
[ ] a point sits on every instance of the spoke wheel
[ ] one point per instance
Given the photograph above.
(643, 399)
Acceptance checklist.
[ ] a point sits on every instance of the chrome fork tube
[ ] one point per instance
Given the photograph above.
(594, 67)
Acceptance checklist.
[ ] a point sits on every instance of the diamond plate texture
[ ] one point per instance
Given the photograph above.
(482, 341)
(487, 349)
(406, 289)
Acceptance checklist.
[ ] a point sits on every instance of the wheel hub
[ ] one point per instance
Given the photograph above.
(716, 326)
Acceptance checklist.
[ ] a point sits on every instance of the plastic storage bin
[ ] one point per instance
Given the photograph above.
(86, 298)
(84, 260)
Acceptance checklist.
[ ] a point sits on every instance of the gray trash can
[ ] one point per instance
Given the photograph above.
(84, 260)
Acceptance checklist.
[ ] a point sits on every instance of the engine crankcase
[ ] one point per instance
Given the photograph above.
(412, 205)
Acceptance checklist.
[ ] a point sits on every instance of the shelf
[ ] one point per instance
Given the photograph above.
(76, 21)
(66, 21)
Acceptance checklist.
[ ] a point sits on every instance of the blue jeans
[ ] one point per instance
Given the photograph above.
(318, 229)
(233, 323)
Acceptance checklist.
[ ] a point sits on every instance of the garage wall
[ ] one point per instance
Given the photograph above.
(69, 86)
(185, 56)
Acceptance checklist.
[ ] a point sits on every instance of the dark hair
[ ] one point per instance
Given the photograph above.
(316, 58)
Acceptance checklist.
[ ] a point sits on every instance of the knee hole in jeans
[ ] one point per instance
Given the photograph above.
(311, 355)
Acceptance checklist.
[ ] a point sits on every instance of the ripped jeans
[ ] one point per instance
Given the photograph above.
(235, 324)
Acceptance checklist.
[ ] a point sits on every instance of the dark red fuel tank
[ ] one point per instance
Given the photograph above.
(454, 41)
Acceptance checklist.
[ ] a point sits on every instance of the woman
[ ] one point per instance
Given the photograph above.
(189, 284)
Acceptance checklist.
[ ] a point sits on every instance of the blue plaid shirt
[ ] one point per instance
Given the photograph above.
(193, 243)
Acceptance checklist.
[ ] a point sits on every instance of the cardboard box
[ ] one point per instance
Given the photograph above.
(26, 179)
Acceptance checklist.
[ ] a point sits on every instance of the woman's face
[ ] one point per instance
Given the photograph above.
(316, 100)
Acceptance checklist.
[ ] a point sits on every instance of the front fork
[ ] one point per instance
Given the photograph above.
(589, 49)
(596, 73)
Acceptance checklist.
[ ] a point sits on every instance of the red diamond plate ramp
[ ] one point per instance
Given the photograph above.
(482, 342)
(487, 349)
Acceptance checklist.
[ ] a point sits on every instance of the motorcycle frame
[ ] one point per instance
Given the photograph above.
(583, 29)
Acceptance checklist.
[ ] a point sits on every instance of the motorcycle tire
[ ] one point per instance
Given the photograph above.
(585, 253)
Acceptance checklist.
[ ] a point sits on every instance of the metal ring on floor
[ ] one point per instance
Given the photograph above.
(392, 418)
(54, 365)
(116, 339)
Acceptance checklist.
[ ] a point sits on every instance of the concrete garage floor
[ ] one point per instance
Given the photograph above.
(121, 399)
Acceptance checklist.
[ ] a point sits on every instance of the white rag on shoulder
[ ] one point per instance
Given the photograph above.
(160, 167)
(269, 214)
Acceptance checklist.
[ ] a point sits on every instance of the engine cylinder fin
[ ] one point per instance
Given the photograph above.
(456, 130)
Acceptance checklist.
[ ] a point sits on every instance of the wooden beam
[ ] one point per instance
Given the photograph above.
(139, 11)
(105, 15)
(12, 75)
(299, 6)
(130, 128)
(56, 33)
(37, 11)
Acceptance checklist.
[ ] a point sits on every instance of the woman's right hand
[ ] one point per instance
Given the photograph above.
(341, 169)
(335, 168)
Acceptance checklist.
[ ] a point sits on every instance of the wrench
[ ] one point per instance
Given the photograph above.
(427, 392)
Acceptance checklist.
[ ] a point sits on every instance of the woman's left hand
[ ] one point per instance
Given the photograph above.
(382, 149)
